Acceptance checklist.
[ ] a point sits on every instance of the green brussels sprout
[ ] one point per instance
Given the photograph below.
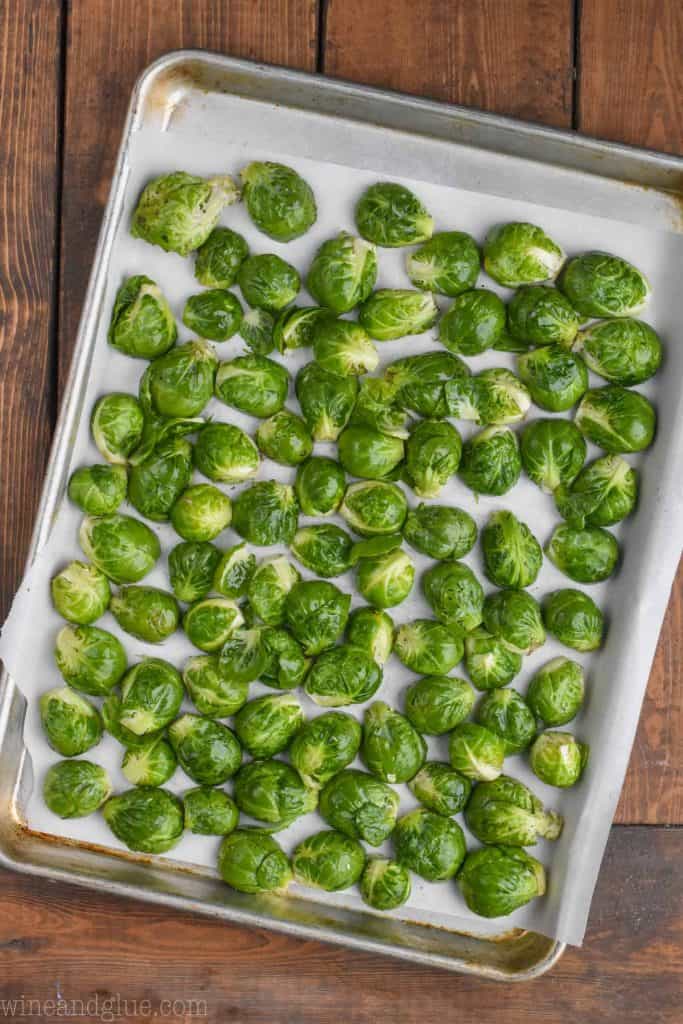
(116, 424)
(374, 507)
(419, 383)
(506, 343)
(556, 378)
(496, 880)
(208, 623)
(558, 759)
(324, 548)
(253, 384)
(284, 438)
(603, 493)
(71, 724)
(429, 844)
(323, 746)
(489, 661)
(384, 884)
(448, 263)
(587, 555)
(215, 314)
(454, 594)
(505, 811)
(98, 490)
(474, 322)
(385, 580)
(359, 806)
(375, 408)
(146, 819)
(219, 258)
(428, 647)
(266, 726)
(326, 399)
(316, 612)
(552, 452)
(208, 751)
(328, 860)
(180, 383)
(80, 593)
(512, 555)
(271, 791)
(476, 752)
(225, 453)
(234, 571)
(112, 709)
(574, 619)
(201, 513)
(320, 484)
(368, 454)
(391, 313)
(268, 588)
(372, 631)
(374, 547)
(142, 323)
(268, 282)
(212, 694)
(156, 484)
(616, 419)
(191, 568)
(508, 715)
(432, 456)
(344, 348)
(244, 655)
(440, 531)
(598, 284)
(343, 272)
(296, 325)
(258, 331)
(147, 613)
(151, 695)
(556, 692)
(90, 659)
(440, 788)
(209, 812)
(494, 397)
(490, 462)
(541, 315)
(266, 513)
(392, 749)
(436, 704)
(279, 201)
(623, 351)
(390, 215)
(253, 862)
(519, 253)
(179, 211)
(152, 764)
(343, 675)
(514, 617)
(286, 664)
(74, 789)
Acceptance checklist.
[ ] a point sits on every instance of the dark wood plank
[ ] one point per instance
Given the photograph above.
(29, 102)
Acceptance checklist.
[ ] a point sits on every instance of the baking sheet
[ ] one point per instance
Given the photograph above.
(634, 600)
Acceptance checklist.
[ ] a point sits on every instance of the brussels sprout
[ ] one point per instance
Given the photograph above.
(179, 211)
(489, 661)
(343, 347)
(271, 791)
(268, 282)
(343, 675)
(284, 438)
(374, 507)
(385, 580)
(150, 765)
(512, 555)
(268, 588)
(117, 423)
(514, 617)
(209, 812)
(343, 272)
(208, 623)
(286, 666)
(429, 844)
(558, 759)
(98, 490)
(266, 726)
(556, 692)
(616, 419)
(112, 709)
(142, 323)
(234, 571)
(253, 862)
(384, 884)
(432, 456)
(156, 484)
(539, 315)
(419, 382)
(266, 513)
(147, 613)
(490, 462)
(474, 322)
(440, 788)
(244, 655)
(201, 513)
(499, 879)
(374, 547)
(519, 253)
(212, 694)
(552, 452)
(623, 351)
(316, 612)
(219, 258)
(253, 384)
(296, 325)
(279, 201)
(207, 751)
(507, 714)
(476, 752)
(368, 454)
(372, 631)
(603, 493)
(586, 555)
(320, 484)
(325, 549)
(360, 806)
(328, 860)
(448, 263)
(257, 330)
(326, 399)
(151, 695)
(323, 746)
(74, 789)
(436, 704)
(180, 383)
(428, 647)
(390, 215)
(215, 314)
(146, 819)
(574, 619)
(90, 659)
(225, 453)
(375, 408)
(71, 724)
(505, 811)
(454, 594)
(598, 284)
(80, 593)
(556, 378)
(440, 531)
(392, 749)
(391, 313)
(495, 397)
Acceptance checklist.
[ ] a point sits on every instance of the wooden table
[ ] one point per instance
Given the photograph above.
(611, 68)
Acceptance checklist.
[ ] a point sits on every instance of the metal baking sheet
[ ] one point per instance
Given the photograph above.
(218, 99)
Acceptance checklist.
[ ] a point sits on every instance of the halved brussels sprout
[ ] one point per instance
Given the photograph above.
(539, 315)
(440, 788)
(490, 663)
(279, 201)
(284, 438)
(454, 594)
(326, 399)
(558, 759)
(373, 547)
(598, 284)
(574, 619)
(323, 746)
(368, 454)
(512, 555)
(116, 424)
(490, 462)
(146, 819)
(385, 580)
(90, 659)
(384, 884)
(494, 397)
(319, 486)
(520, 253)
(258, 331)
(556, 378)
(215, 314)
(148, 613)
(514, 617)
(359, 806)
(343, 347)
(552, 452)
(507, 714)
(505, 811)
(390, 215)
(391, 748)
(151, 764)
(324, 548)
(429, 844)
(234, 571)
(253, 862)
(391, 313)
(268, 588)
(419, 382)
(373, 631)
(180, 383)
(142, 323)
(219, 258)
(374, 507)
(151, 695)
(98, 490)
(71, 723)
(212, 694)
(589, 555)
(623, 351)
(268, 282)
(496, 880)
(603, 493)
(112, 710)
(266, 513)
(271, 791)
(207, 751)
(428, 647)
(74, 789)
(343, 272)
(286, 666)
(436, 704)
(201, 513)
(433, 453)
(440, 531)
(448, 263)
(556, 692)
(209, 812)
(266, 726)
(295, 326)
(244, 655)
(80, 593)
(208, 623)
(253, 384)
(476, 752)
(225, 453)
(328, 860)
(343, 675)
(156, 484)
(616, 419)
(316, 612)
(474, 322)
(179, 211)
